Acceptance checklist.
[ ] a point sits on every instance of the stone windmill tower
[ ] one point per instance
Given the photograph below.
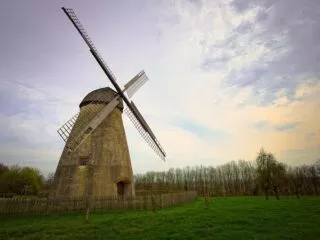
(95, 160)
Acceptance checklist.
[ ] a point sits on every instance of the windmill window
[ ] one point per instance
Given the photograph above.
(83, 161)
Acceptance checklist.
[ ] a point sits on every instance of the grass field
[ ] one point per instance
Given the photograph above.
(224, 218)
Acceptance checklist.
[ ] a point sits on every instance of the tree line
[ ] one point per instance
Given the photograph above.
(265, 176)
(22, 181)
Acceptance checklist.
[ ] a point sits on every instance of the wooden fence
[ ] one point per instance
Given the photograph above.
(20, 207)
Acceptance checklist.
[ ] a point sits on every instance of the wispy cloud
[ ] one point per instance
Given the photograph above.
(261, 124)
(198, 129)
(286, 126)
(281, 127)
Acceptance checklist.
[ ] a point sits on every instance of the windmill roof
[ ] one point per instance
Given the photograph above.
(101, 95)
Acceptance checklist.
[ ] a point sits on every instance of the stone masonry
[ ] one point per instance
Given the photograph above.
(101, 166)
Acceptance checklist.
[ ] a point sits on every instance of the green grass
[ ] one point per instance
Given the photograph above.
(230, 218)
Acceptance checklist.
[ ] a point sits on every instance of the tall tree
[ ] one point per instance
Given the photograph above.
(264, 166)
(3, 168)
(278, 175)
(21, 181)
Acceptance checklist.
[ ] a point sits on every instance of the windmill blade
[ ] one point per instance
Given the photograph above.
(145, 131)
(92, 125)
(77, 24)
(145, 124)
(135, 83)
(65, 130)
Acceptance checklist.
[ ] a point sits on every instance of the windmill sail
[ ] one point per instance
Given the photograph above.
(147, 136)
(135, 117)
(93, 124)
(135, 83)
(77, 24)
(145, 124)
(65, 130)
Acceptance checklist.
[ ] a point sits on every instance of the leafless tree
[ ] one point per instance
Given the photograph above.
(265, 175)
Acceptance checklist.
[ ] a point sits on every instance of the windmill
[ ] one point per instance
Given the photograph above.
(95, 160)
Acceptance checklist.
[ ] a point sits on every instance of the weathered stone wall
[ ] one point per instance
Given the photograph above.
(107, 155)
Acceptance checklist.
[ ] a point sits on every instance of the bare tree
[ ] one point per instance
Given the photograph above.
(278, 175)
(264, 166)
(265, 175)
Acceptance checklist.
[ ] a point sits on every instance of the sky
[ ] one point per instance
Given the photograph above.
(225, 77)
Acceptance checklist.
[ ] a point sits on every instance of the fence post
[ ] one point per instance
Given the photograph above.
(206, 200)
(154, 205)
(87, 204)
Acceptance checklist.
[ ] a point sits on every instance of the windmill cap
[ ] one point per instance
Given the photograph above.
(101, 96)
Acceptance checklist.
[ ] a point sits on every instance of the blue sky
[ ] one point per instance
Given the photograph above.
(226, 77)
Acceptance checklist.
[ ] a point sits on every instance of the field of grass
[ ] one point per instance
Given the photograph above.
(223, 218)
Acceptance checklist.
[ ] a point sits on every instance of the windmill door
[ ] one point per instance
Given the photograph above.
(120, 188)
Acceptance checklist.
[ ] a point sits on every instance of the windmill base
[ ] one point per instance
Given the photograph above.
(91, 181)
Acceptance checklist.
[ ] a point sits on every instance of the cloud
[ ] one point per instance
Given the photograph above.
(261, 124)
(247, 73)
(280, 127)
(286, 126)
(300, 156)
(198, 130)
(258, 51)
